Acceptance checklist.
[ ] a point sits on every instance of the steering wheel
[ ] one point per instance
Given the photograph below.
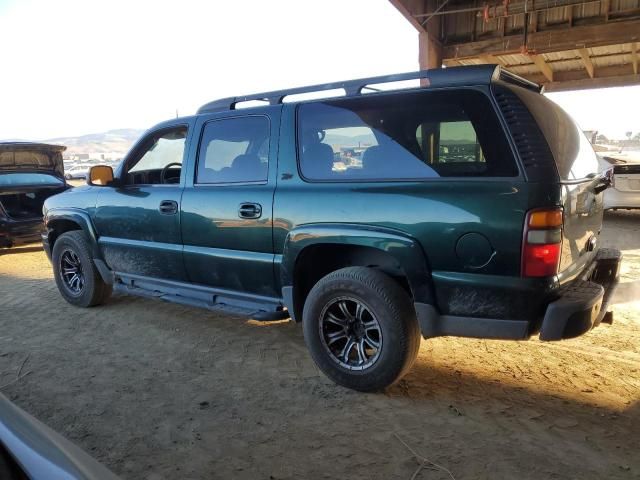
(163, 173)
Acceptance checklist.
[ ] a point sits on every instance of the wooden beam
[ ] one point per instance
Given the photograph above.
(612, 76)
(542, 66)
(491, 59)
(589, 83)
(634, 57)
(451, 63)
(586, 61)
(547, 41)
(407, 14)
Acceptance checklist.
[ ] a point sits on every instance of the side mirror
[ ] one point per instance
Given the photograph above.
(100, 175)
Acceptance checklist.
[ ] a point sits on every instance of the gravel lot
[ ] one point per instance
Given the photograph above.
(161, 391)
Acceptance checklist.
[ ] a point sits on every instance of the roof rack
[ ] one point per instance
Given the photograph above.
(438, 77)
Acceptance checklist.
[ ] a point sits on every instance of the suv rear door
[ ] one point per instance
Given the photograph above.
(228, 202)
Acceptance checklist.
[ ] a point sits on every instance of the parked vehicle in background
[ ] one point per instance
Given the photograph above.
(31, 450)
(625, 193)
(77, 172)
(463, 214)
(29, 174)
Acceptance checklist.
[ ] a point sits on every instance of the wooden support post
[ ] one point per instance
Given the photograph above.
(634, 57)
(429, 51)
(586, 60)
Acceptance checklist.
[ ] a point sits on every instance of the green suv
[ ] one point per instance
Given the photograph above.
(467, 205)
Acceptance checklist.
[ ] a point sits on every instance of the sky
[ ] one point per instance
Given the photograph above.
(72, 67)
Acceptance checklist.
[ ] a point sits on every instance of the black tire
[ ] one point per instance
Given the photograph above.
(71, 248)
(359, 289)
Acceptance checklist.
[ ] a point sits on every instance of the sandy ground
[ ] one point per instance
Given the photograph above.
(160, 391)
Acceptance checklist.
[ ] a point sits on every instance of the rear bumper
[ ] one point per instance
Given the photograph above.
(566, 312)
(583, 304)
(620, 199)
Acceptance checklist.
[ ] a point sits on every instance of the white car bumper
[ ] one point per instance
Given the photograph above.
(614, 198)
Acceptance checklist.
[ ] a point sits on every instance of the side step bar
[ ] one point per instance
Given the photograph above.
(256, 307)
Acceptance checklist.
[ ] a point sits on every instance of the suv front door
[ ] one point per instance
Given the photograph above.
(138, 219)
(227, 204)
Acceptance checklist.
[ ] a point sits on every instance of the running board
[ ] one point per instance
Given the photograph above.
(231, 302)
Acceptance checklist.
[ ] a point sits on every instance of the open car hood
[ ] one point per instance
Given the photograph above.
(31, 157)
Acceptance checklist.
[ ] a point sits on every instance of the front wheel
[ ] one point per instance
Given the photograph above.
(361, 328)
(75, 273)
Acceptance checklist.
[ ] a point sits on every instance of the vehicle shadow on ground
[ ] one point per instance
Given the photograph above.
(456, 401)
(18, 250)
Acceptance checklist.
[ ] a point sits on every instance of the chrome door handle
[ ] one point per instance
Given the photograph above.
(168, 207)
(250, 210)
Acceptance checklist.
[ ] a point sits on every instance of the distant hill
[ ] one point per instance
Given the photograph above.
(119, 140)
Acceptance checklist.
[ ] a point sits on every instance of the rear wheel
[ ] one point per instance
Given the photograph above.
(361, 328)
(75, 273)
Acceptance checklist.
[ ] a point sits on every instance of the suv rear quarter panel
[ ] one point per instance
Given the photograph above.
(438, 213)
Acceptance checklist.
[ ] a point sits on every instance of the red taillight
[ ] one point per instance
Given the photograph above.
(540, 260)
(542, 242)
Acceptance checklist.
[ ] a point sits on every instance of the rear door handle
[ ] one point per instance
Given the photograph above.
(250, 210)
(168, 207)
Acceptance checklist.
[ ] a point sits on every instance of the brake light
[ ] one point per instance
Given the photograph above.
(542, 242)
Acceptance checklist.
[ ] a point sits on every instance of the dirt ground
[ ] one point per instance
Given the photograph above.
(161, 391)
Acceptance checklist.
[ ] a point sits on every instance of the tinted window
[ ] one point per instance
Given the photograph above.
(234, 150)
(414, 135)
(9, 179)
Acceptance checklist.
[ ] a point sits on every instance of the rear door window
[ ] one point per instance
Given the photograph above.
(234, 150)
(408, 136)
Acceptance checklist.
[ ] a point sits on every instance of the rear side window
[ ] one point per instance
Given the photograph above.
(573, 154)
(234, 150)
(415, 135)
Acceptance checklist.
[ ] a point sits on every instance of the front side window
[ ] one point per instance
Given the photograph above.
(416, 135)
(160, 159)
(234, 150)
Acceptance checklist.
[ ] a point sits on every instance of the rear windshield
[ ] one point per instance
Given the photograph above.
(572, 152)
(414, 135)
(18, 179)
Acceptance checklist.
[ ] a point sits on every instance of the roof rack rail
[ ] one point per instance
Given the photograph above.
(438, 77)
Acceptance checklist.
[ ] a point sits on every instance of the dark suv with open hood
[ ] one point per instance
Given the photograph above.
(470, 205)
(29, 174)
